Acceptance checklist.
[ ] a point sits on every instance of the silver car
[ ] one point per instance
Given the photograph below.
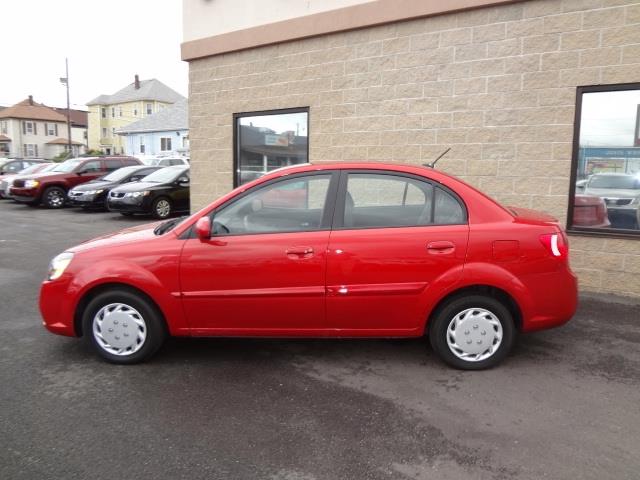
(620, 191)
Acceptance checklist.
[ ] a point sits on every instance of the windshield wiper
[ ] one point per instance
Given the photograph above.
(168, 225)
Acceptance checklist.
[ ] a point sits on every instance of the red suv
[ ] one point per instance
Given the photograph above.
(332, 250)
(51, 187)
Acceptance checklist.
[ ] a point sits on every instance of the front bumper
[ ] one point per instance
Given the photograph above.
(130, 204)
(56, 307)
(86, 201)
(24, 195)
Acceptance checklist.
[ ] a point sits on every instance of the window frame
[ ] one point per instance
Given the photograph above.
(327, 214)
(165, 140)
(281, 111)
(338, 217)
(591, 231)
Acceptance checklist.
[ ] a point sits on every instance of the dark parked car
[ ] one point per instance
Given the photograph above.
(51, 188)
(93, 194)
(12, 167)
(161, 194)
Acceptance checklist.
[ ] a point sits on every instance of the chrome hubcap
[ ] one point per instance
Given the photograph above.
(163, 208)
(55, 199)
(474, 334)
(119, 329)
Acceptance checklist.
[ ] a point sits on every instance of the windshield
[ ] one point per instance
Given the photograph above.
(168, 174)
(119, 174)
(628, 182)
(33, 168)
(68, 166)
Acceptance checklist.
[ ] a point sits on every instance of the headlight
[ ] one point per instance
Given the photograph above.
(59, 264)
(137, 194)
(93, 192)
(31, 183)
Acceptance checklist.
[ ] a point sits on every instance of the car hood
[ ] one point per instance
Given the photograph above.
(94, 185)
(613, 192)
(138, 186)
(128, 235)
(38, 176)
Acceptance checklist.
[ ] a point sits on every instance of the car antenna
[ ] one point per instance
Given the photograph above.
(433, 164)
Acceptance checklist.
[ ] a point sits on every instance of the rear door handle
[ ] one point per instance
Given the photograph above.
(441, 247)
(299, 252)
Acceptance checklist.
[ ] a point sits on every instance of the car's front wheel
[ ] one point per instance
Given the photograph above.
(161, 208)
(123, 327)
(54, 197)
(472, 332)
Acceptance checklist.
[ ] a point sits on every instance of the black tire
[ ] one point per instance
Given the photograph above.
(475, 305)
(54, 197)
(161, 208)
(154, 329)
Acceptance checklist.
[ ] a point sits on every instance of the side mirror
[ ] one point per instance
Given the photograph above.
(183, 181)
(203, 228)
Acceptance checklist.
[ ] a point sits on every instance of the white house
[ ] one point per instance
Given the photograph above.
(32, 130)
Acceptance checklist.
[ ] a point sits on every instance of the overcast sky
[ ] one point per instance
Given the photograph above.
(609, 118)
(107, 43)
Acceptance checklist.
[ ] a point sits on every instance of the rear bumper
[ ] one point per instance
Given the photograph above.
(554, 300)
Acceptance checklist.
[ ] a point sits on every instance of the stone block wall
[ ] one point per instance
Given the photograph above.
(497, 85)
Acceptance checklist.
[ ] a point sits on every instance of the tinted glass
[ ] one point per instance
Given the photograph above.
(168, 174)
(68, 166)
(119, 174)
(606, 163)
(91, 167)
(113, 165)
(268, 142)
(378, 200)
(294, 205)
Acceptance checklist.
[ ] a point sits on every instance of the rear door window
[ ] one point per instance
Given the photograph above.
(375, 200)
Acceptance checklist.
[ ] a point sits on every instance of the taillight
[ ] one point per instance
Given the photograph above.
(555, 244)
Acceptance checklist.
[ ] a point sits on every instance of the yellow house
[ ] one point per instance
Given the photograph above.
(108, 113)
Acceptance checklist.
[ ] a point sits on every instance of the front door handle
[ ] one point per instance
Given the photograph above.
(441, 248)
(299, 252)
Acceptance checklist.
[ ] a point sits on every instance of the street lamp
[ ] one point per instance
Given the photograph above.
(65, 82)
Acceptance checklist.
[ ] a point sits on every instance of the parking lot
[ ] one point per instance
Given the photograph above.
(564, 405)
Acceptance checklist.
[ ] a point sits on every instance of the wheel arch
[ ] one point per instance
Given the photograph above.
(104, 287)
(479, 289)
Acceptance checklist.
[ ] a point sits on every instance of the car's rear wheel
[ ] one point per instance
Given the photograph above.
(123, 327)
(54, 197)
(161, 208)
(472, 332)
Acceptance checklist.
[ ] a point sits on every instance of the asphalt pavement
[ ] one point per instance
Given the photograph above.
(564, 405)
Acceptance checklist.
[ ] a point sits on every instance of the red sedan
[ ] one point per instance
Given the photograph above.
(361, 250)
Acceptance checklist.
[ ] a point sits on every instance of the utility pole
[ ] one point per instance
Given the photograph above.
(65, 81)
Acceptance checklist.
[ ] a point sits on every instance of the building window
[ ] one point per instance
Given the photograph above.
(104, 112)
(142, 147)
(3, 127)
(30, 150)
(135, 112)
(605, 173)
(51, 129)
(29, 128)
(104, 132)
(165, 144)
(113, 131)
(265, 141)
(149, 108)
(120, 111)
(113, 112)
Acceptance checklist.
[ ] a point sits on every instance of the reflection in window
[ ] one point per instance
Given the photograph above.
(607, 160)
(270, 141)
